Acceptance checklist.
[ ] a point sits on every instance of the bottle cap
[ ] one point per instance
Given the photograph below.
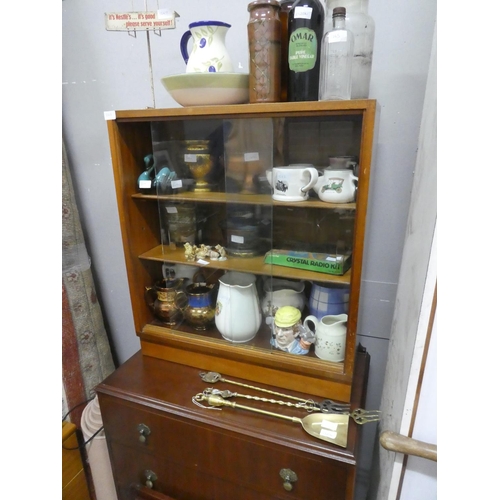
(338, 11)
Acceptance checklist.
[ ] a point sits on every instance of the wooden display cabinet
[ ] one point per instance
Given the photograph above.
(275, 134)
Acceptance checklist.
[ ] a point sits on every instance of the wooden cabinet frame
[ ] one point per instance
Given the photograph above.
(130, 140)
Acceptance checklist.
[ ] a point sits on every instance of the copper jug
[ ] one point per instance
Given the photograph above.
(165, 298)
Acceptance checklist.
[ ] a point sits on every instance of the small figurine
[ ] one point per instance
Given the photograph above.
(189, 251)
(193, 252)
(145, 180)
(222, 252)
(202, 252)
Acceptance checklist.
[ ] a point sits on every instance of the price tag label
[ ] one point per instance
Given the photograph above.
(109, 115)
(190, 158)
(202, 262)
(145, 184)
(251, 156)
(328, 433)
(338, 36)
(176, 184)
(302, 12)
(237, 239)
(171, 210)
(325, 424)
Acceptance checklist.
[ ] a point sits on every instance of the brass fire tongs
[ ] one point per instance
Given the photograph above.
(331, 427)
(359, 415)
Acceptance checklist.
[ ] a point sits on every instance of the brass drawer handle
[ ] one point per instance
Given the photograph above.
(288, 477)
(144, 432)
(150, 477)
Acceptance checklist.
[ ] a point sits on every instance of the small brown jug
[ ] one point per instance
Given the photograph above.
(165, 298)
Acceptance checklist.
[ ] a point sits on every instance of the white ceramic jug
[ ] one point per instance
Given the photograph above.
(279, 293)
(330, 336)
(237, 311)
(209, 53)
(336, 186)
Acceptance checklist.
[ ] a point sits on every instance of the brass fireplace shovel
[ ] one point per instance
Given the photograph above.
(331, 427)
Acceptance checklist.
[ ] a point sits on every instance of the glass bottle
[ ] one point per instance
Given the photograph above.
(362, 26)
(305, 32)
(264, 38)
(285, 7)
(336, 60)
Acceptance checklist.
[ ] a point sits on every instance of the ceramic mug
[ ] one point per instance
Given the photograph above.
(292, 183)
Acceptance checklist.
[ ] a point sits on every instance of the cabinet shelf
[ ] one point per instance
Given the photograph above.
(254, 199)
(253, 265)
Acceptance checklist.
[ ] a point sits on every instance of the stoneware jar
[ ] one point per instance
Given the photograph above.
(264, 38)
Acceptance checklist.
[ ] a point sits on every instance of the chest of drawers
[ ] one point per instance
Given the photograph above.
(162, 445)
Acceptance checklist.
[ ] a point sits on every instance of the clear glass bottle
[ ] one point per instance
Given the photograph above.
(336, 60)
(306, 21)
(362, 26)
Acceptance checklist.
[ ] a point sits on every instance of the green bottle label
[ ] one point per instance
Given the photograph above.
(302, 50)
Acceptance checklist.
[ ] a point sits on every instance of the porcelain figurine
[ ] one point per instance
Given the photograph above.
(288, 332)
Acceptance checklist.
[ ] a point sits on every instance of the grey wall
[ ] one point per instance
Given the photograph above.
(105, 71)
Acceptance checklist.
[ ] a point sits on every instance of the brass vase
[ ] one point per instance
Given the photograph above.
(197, 158)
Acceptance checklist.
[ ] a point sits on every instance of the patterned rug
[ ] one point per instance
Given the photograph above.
(86, 352)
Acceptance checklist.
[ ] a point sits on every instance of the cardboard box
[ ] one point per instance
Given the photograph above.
(337, 264)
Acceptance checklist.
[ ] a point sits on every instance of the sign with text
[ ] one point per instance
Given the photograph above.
(140, 21)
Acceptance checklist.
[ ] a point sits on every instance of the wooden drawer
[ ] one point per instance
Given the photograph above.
(179, 482)
(168, 434)
(225, 455)
(131, 467)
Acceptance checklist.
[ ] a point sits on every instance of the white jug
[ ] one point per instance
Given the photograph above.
(237, 311)
(209, 53)
(279, 293)
(330, 336)
(336, 186)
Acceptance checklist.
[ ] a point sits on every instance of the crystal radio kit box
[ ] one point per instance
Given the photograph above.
(337, 264)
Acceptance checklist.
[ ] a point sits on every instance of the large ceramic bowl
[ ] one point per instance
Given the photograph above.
(201, 89)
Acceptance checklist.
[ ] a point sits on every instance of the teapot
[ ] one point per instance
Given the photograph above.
(163, 298)
(209, 53)
(336, 186)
